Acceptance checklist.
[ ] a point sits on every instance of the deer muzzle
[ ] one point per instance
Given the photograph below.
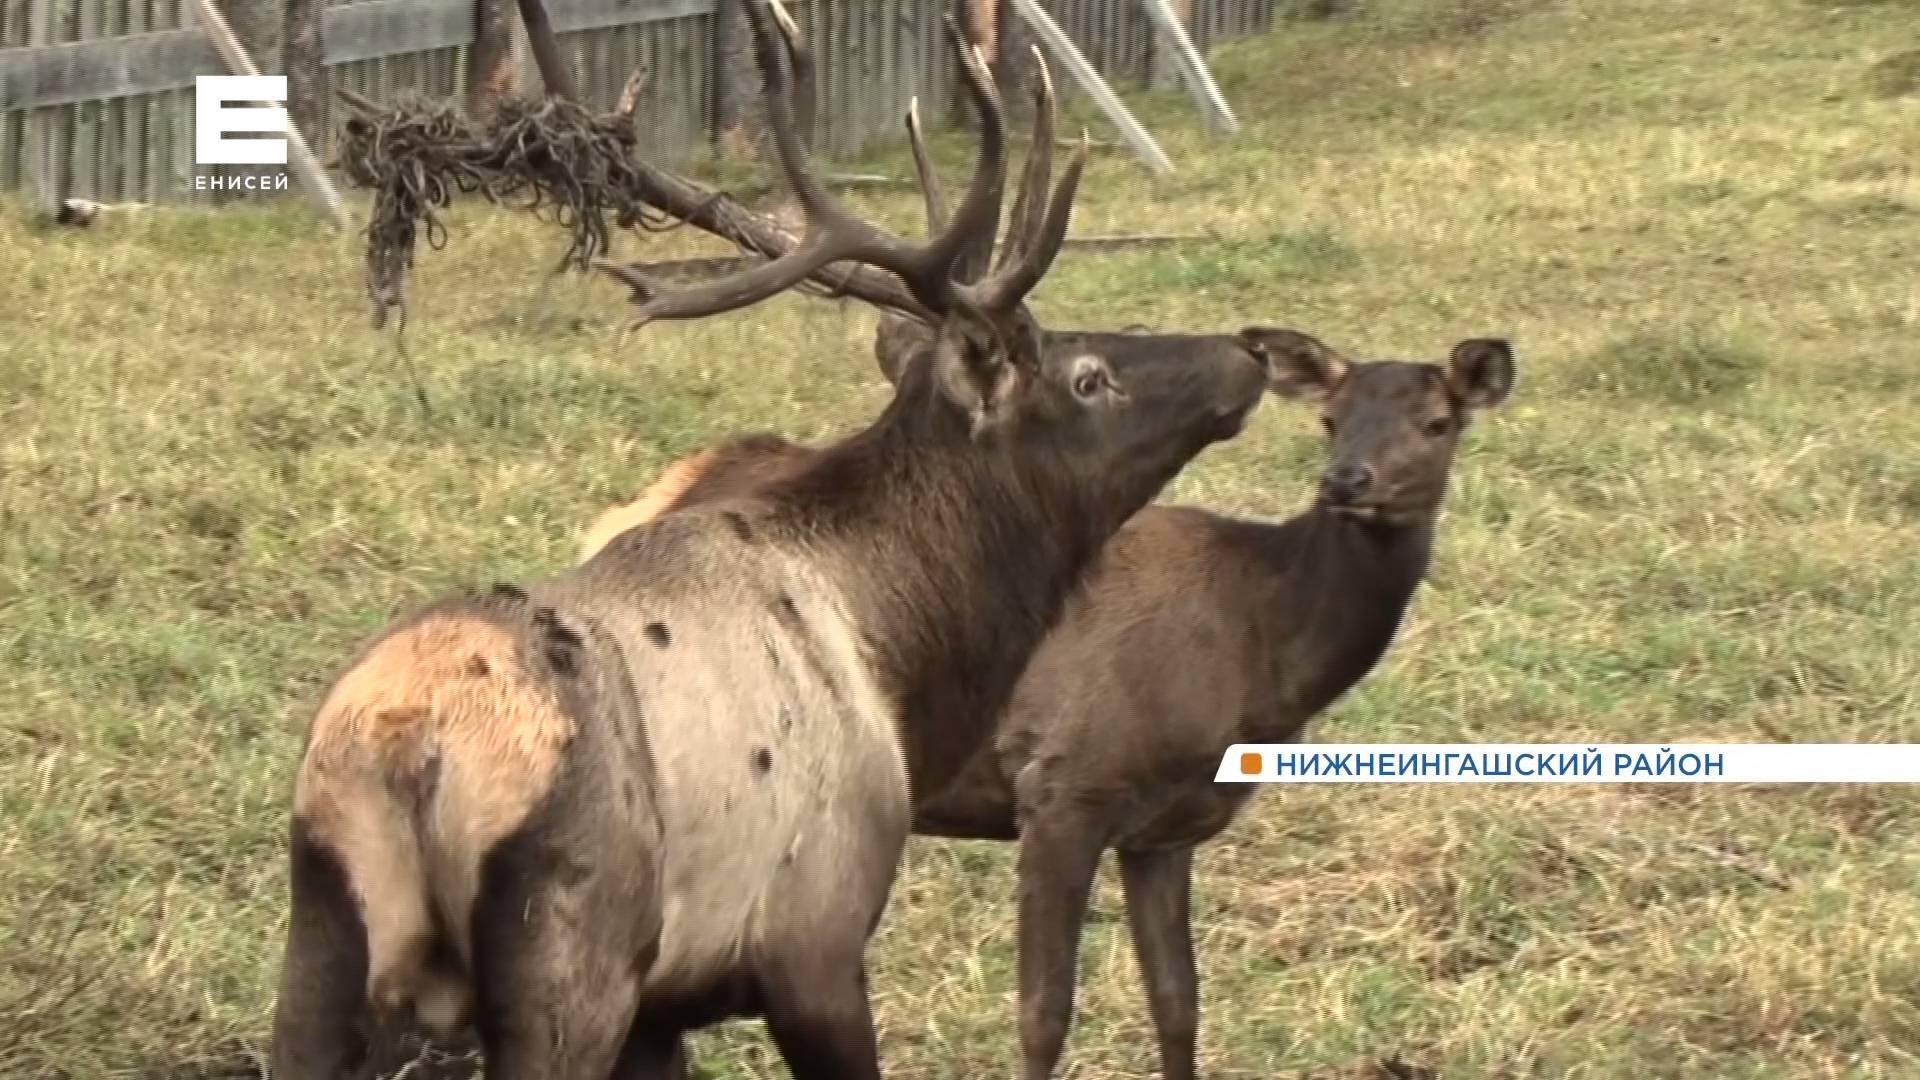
(1344, 486)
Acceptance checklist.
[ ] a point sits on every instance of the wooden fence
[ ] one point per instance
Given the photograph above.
(96, 97)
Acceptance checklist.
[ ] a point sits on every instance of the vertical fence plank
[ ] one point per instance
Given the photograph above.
(602, 47)
(818, 29)
(616, 46)
(875, 100)
(40, 130)
(621, 46)
(153, 135)
(851, 118)
(678, 79)
(891, 48)
(13, 33)
(708, 80)
(853, 90)
(108, 149)
(676, 56)
(577, 49)
(593, 74)
(875, 70)
(173, 115)
(850, 121)
(664, 91)
(137, 110)
(618, 61)
(864, 36)
(382, 78)
(62, 119)
(827, 83)
(944, 73)
(113, 136)
(83, 146)
(681, 60)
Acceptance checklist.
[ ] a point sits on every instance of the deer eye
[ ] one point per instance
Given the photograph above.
(1087, 383)
(1437, 426)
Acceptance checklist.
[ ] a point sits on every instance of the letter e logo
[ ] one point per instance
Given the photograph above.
(213, 120)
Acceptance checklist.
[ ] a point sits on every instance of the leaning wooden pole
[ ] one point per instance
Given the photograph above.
(1191, 66)
(313, 179)
(1061, 45)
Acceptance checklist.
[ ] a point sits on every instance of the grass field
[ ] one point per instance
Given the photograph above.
(1699, 520)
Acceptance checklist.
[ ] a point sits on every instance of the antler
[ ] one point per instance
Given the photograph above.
(923, 168)
(1034, 237)
(1039, 164)
(834, 235)
(806, 84)
(1034, 242)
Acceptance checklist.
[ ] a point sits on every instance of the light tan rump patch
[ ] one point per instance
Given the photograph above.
(657, 499)
(439, 733)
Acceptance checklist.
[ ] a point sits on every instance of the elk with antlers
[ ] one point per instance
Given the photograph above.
(671, 785)
(1194, 632)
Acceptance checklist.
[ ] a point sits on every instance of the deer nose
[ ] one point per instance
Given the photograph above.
(1345, 484)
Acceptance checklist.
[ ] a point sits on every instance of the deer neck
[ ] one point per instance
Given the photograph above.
(1337, 591)
(955, 556)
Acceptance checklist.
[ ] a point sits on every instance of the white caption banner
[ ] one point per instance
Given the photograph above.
(1554, 763)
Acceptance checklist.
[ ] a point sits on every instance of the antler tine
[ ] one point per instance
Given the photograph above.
(923, 169)
(1027, 201)
(829, 233)
(1009, 287)
(978, 218)
(805, 90)
(833, 235)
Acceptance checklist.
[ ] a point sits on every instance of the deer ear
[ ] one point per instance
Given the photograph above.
(1480, 372)
(978, 381)
(897, 340)
(1299, 366)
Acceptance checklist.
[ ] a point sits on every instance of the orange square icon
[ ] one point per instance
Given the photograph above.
(1249, 764)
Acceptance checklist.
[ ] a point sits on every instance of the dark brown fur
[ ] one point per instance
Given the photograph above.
(1195, 632)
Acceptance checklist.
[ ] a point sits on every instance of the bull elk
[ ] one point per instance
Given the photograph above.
(581, 816)
(1194, 632)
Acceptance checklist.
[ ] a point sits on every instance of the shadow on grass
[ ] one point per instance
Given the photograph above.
(1684, 368)
(1896, 76)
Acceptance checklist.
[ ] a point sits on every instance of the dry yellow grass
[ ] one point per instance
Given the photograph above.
(1697, 521)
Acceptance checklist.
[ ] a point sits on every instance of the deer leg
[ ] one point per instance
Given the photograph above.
(555, 1008)
(321, 1023)
(1158, 886)
(818, 1013)
(1059, 853)
(555, 942)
